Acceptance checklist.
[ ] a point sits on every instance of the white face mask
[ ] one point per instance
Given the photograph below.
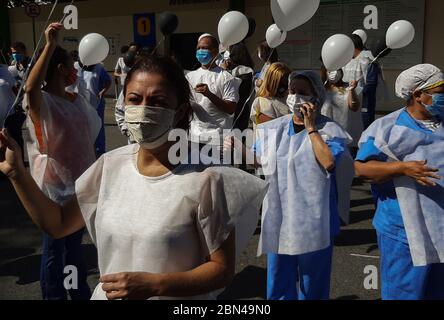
(294, 102)
(149, 126)
(335, 76)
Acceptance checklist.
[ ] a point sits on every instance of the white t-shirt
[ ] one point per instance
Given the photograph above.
(209, 121)
(164, 224)
(357, 69)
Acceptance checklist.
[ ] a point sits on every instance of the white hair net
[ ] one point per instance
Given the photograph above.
(205, 35)
(419, 77)
(315, 81)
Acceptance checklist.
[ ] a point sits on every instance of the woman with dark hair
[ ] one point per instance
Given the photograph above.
(62, 128)
(161, 230)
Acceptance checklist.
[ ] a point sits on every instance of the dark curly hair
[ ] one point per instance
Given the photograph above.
(174, 76)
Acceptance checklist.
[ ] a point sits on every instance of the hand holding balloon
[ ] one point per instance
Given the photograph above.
(203, 89)
(52, 34)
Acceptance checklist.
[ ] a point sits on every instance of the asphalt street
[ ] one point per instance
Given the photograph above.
(20, 248)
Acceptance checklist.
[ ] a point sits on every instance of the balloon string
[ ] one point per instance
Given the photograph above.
(158, 45)
(245, 104)
(64, 16)
(28, 68)
(271, 53)
(3, 56)
(380, 54)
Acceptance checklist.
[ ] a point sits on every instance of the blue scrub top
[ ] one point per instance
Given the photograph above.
(337, 148)
(388, 219)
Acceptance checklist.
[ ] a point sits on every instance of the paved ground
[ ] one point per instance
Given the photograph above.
(20, 248)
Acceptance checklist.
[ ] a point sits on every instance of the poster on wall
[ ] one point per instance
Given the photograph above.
(114, 45)
(303, 46)
(145, 29)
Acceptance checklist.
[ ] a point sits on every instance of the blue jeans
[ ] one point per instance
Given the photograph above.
(56, 255)
(100, 144)
(311, 270)
(401, 280)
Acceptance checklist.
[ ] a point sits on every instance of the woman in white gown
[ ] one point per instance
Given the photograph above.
(161, 231)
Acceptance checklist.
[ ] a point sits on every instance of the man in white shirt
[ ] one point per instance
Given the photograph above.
(357, 68)
(215, 94)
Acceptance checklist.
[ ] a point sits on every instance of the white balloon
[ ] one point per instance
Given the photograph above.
(275, 36)
(400, 34)
(337, 52)
(233, 28)
(362, 34)
(93, 49)
(290, 14)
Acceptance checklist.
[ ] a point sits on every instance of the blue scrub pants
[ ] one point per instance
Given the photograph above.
(101, 139)
(311, 270)
(401, 280)
(58, 253)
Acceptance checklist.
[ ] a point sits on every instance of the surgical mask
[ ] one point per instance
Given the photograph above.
(335, 76)
(437, 106)
(204, 56)
(149, 126)
(18, 57)
(294, 101)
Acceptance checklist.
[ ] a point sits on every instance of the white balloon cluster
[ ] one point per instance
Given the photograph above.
(338, 49)
(288, 14)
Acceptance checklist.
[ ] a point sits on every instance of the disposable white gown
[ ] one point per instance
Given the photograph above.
(164, 224)
(422, 208)
(68, 131)
(336, 108)
(296, 210)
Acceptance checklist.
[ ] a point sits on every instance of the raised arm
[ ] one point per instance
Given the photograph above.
(58, 221)
(320, 148)
(354, 104)
(33, 87)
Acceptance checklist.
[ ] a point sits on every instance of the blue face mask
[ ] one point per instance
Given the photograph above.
(18, 57)
(204, 56)
(437, 106)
